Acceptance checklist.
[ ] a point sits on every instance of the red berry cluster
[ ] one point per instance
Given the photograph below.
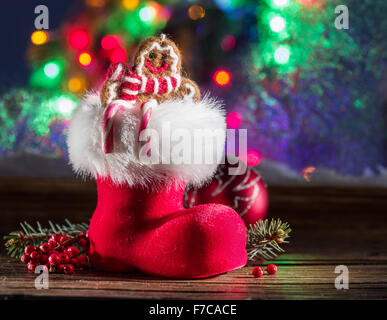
(58, 254)
(258, 272)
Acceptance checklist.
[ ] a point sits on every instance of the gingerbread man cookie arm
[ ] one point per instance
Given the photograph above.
(111, 88)
(189, 90)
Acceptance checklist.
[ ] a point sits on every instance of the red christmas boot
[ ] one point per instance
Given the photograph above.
(151, 231)
(140, 222)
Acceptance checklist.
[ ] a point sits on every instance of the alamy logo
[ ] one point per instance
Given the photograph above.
(342, 280)
(342, 20)
(41, 21)
(41, 281)
(199, 146)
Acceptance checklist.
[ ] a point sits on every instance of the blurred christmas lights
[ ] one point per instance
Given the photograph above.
(280, 3)
(282, 54)
(306, 2)
(130, 4)
(76, 84)
(222, 77)
(79, 38)
(47, 75)
(307, 173)
(127, 24)
(96, 3)
(274, 54)
(84, 58)
(228, 43)
(165, 13)
(233, 120)
(227, 5)
(252, 158)
(65, 105)
(147, 13)
(118, 55)
(109, 42)
(196, 12)
(39, 37)
(277, 24)
(51, 70)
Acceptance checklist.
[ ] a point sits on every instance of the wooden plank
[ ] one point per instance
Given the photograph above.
(332, 226)
(291, 282)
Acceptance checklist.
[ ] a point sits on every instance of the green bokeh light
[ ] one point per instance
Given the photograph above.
(135, 25)
(277, 23)
(48, 75)
(51, 70)
(279, 3)
(282, 54)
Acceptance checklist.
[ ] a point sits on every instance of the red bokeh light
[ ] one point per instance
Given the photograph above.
(228, 43)
(252, 157)
(109, 42)
(79, 38)
(118, 55)
(233, 120)
(165, 13)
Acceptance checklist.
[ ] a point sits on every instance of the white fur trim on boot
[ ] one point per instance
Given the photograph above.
(183, 118)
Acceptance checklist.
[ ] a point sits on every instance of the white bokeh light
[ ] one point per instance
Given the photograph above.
(65, 105)
(147, 13)
(277, 24)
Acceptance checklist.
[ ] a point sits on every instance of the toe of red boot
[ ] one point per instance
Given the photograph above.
(222, 235)
(200, 242)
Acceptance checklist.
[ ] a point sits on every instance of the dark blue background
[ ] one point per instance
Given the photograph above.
(16, 25)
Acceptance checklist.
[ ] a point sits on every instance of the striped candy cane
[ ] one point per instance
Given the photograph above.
(146, 112)
(108, 125)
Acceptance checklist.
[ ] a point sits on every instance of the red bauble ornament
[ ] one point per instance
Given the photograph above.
(246, 193)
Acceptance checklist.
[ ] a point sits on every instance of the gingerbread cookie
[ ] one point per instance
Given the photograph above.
(156, 74)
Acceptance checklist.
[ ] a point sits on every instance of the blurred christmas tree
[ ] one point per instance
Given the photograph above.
(317, 96)
(34, 121)
(308, 93)
(67, 62)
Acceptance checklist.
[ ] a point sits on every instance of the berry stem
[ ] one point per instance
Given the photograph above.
(69, 241)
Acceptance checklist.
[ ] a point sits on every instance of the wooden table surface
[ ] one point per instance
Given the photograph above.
(331, 226)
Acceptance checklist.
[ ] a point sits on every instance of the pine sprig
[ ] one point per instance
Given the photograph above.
(264, 239)
(16, 241)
